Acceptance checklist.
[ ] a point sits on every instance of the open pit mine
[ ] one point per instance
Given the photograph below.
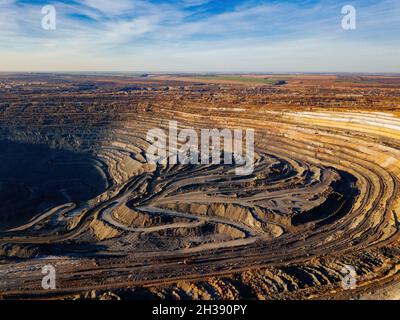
(77, 192)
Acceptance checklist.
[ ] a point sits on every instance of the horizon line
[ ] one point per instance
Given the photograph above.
(199, 72)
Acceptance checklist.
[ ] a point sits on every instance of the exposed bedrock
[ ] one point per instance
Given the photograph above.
(36, 178)
(324, 193)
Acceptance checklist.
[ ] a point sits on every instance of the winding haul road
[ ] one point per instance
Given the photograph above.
(324, 193)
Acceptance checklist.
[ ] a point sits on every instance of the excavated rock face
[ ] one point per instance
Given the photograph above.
(75, 185)
(35, 178)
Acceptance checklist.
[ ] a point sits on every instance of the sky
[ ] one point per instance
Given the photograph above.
(200, 36)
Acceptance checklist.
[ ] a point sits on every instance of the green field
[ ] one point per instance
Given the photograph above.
(241, 79)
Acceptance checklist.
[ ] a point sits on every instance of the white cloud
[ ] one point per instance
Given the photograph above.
(110, 7)
(140, 35)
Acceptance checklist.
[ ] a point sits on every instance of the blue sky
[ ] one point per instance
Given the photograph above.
(200, 36)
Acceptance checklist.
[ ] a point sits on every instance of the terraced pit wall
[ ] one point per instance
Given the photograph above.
(324, 194)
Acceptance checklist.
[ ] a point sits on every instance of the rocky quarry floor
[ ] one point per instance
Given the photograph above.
(77, 192)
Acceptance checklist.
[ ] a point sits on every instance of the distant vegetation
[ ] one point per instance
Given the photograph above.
(270, 81)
